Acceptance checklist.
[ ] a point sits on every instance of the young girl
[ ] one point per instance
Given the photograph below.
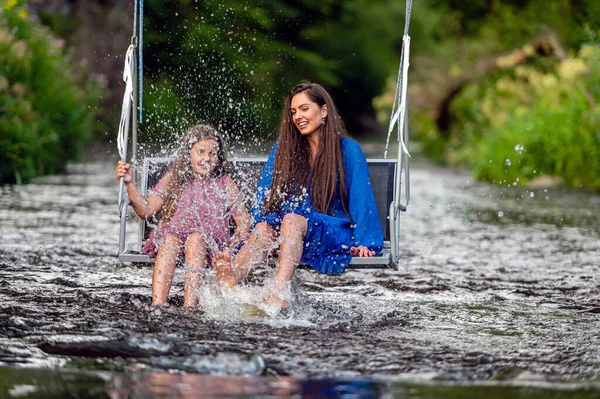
(194, 201)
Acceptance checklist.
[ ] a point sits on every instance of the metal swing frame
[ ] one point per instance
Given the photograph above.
(132, 108)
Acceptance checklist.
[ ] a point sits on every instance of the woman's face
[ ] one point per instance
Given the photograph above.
(203, 156)
(307, 115)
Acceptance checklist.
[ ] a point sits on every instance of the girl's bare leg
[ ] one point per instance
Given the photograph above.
(293, 232)
(252, 254)
(164, 269)
(196, 252)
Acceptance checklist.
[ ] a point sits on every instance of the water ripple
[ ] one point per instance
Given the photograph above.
(492, 280)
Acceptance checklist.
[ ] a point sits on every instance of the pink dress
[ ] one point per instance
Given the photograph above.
(205, 207)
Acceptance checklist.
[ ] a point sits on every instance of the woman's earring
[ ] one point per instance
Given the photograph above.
(322, 121)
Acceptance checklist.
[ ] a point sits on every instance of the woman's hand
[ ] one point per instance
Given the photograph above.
(361, 251)
(124, 170)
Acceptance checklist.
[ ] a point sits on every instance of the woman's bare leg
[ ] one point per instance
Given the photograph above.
(293, 232)
(164, 269)
(252, 254)
(196, 252)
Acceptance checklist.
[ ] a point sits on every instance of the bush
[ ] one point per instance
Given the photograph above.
(535, 123)
(47, 105)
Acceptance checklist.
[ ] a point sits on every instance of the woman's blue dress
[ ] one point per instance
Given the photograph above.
(329, 237)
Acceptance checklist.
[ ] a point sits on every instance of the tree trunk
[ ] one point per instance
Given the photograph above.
(546, 43)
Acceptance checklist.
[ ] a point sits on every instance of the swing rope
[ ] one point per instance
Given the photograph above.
(128, 95)
(398, 114)
(128, 73)
(138, 8)
(141, 60)
(128, 76)
(135, 17)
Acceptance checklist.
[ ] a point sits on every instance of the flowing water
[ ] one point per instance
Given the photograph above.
(498, 295)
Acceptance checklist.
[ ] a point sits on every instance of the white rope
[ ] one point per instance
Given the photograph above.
(400, 114)
(128, 74)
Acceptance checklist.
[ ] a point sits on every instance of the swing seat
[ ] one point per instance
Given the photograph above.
(247, 172)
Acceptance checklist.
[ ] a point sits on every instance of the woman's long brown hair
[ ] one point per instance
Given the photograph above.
(181, 170)
(292, 170)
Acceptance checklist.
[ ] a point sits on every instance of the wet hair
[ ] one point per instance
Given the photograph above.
(292, 170)
(182, 172)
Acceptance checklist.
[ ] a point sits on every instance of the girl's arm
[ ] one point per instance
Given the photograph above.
(144, 207)
(240, 215)
(242, 221)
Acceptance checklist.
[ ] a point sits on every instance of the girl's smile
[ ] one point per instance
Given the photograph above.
(204, 156)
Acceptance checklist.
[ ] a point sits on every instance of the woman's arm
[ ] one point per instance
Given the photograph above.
(368, 237)
(264, 188)
(144, 207)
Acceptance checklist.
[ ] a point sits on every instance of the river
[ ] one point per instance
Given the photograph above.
(498, 290)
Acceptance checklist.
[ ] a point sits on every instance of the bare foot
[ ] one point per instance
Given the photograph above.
(275, 303)
(224, 270)
(190, 301)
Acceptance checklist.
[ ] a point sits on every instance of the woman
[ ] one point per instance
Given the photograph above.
(314, 199)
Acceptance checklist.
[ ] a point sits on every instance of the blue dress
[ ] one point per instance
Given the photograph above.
(329, 237)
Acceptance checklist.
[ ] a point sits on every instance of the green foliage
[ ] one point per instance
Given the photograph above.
(513, 128)
(46, 107)
(515, 124)
(509, 21)
(231, 62)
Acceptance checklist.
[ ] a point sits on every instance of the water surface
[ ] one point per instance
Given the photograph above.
(495, 284)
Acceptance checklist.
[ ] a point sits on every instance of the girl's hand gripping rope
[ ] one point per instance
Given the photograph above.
(125, 171)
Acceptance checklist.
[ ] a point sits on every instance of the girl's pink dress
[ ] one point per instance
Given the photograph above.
(205, 207)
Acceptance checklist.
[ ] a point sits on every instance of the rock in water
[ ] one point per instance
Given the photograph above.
(253, 311)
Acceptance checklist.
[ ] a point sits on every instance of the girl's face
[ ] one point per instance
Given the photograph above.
(203, 156)
(307, 115)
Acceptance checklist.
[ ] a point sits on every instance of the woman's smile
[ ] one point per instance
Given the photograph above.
(301, 124)
(306, 114)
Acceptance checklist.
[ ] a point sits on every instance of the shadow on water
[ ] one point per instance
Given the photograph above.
(497, 287)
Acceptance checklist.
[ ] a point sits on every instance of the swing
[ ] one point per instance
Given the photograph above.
(386, 174)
